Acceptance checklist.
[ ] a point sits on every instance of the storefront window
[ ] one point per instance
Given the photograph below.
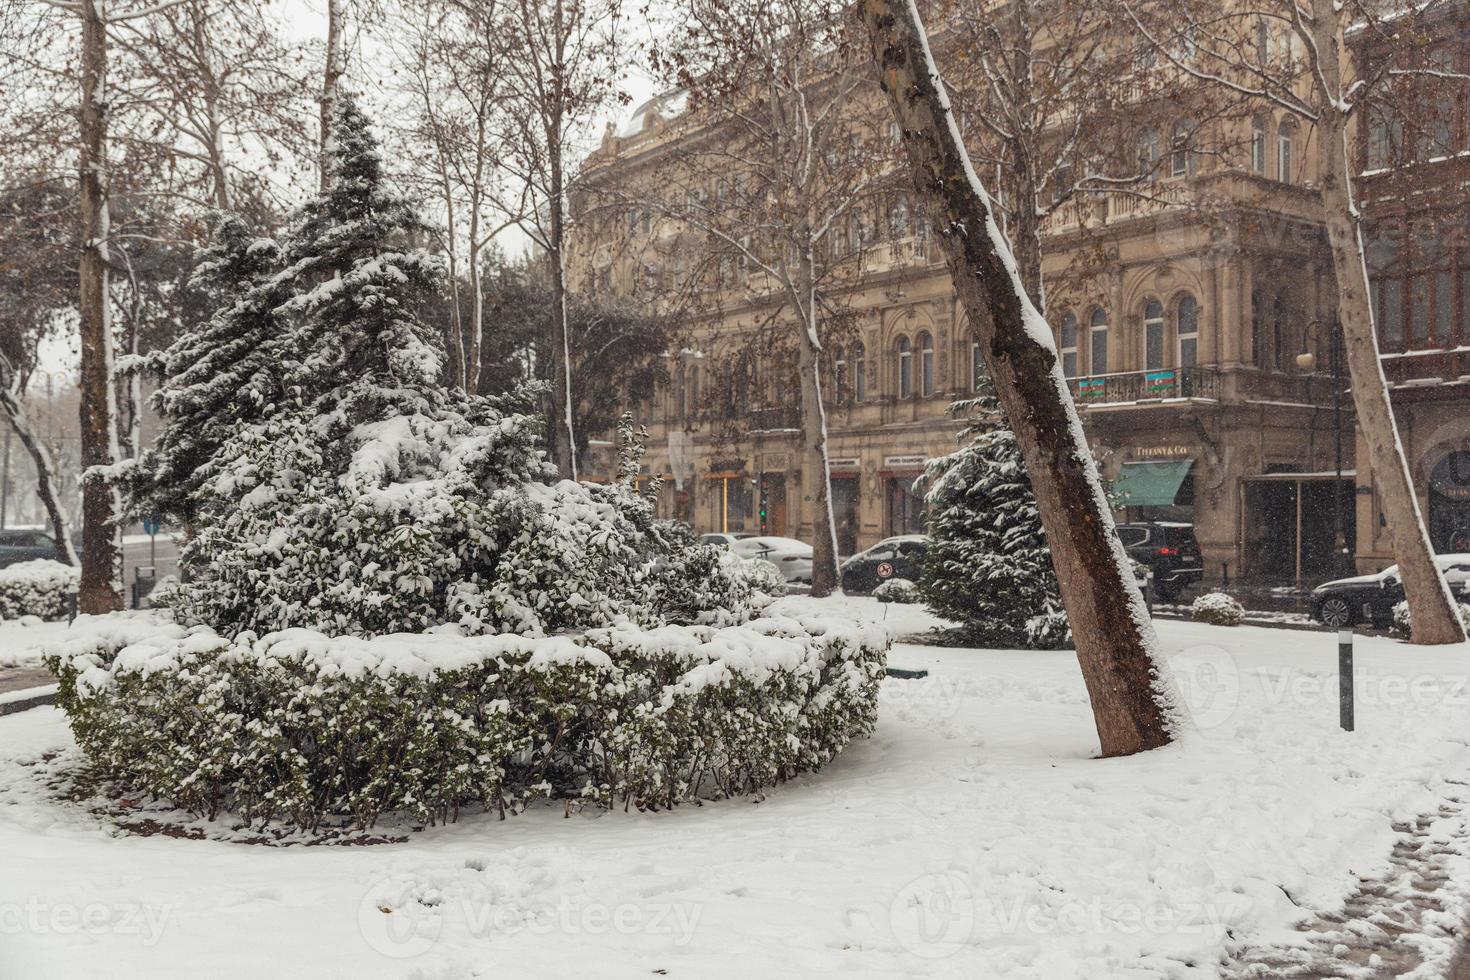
(905, 507)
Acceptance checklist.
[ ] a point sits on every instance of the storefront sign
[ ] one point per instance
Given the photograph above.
(835, 463)
(911, 461)
(1162, 452)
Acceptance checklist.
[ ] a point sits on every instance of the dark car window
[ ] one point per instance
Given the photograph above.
(912, 549)
(1180, 537)
(879, 553)
(1132, 537)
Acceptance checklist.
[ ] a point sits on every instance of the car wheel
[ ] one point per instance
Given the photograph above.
(1336, 613)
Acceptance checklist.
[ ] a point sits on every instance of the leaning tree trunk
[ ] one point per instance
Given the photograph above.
(1431, 607)
(20, 424)
(100, 591)
(816, 487)
(1116, 645)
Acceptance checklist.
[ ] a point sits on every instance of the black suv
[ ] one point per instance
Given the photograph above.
(1169, 550)
(898, 557)
(25, 545)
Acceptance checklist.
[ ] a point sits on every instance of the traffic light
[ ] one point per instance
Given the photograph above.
(764, 499)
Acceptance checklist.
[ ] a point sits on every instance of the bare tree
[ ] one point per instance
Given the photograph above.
(565, 71)
(453, 61)
(778, 170)
(1115, 640)
(1294, 55)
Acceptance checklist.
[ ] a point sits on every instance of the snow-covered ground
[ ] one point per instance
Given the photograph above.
(975, 835)
(21, 640)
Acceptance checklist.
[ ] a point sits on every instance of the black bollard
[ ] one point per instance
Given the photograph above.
(1345, 678)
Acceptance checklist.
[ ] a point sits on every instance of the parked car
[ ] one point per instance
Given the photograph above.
(891, 558)
(1370, 598)
(1169, 550)
(792, 557)
(721, 539)
(25, 545)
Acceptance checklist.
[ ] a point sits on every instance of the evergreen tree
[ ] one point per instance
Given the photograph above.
(214, 378)
(988, 566)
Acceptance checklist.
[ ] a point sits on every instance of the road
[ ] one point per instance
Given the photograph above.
(139, 553)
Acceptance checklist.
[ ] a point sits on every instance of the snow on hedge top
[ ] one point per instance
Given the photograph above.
(102, 647)
(43, 572)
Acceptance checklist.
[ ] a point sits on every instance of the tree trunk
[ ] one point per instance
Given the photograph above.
(565, 441)
(100, 591)
(20, 424)
(331, 77)
(1431, 607)
(816, 484)
(1116, 644)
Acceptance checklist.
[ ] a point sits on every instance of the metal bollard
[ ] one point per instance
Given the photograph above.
(1345, 678)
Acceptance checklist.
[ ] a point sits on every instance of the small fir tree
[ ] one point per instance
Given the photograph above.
(988, 567)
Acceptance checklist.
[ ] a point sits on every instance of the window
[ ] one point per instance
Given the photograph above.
(1280, 340)
(1258, 145)
(1181, 156)
(694, 389)
(926, 364)
(1099, 346)
(977, 365)
(905, 368)
(1188, 331)
(1263, 42)
(1153, 335)
(839, 375)
(1148, 151)
(1069, 345)
(859, 373)
(1286, 152)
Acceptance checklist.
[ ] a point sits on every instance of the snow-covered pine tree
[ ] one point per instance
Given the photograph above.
(989, 567)
(358, 283)
(222, 374)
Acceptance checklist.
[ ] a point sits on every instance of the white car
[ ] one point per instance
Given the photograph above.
(722, 539)
(792, 557)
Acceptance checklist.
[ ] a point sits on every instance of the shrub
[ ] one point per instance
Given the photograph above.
(763, 577)
(37, 588)
(899, 590)
(1404, 629)
(1218, 609)
(302, 727)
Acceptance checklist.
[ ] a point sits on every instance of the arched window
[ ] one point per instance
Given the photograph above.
(1153, 335)
(1069, 345)
(680, 390)
(905, 368)
(977, 364)
(1148, 151)
(926, 364)
(694, 389)
(839, 375)
(1258, 143)
(1098, 342)
(859, 372)
(1286, 151)
(1181, 152)
(1280, 340)
(1188, 331)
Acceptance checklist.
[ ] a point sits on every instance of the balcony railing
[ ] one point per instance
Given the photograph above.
(1145, 386)
(775, 419)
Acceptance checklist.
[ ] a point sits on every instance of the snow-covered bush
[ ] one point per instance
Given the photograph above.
(302, 727)
(988, 566)
(1217, 609)
(897, 590)
(37, 588)
(1404, 629)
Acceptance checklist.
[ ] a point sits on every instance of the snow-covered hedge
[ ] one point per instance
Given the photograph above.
(1404, 629)
(897, 590)
(37, 588)
(1218, 609)
(763, 577)
(300, 727)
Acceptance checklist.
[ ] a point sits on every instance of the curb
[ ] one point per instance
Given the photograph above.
(15, 702)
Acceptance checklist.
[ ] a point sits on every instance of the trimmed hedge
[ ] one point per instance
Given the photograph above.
(37, 588)
(1217, 609)
(899, 590)
(300, 727)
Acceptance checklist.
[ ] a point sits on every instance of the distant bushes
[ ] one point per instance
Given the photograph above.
(1404, 629)
(1217, 609)
(37, 588)
(899, 590)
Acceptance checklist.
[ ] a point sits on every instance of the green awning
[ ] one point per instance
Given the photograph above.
(1152, 484)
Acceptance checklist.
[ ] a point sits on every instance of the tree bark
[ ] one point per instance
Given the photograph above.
(816, 485)
(1431, 607)
(1115, 640)
(561, 355)
(100, 591)
(331, 78)
(20, 424)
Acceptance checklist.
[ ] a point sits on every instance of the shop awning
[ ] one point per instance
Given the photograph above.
(1151, 484)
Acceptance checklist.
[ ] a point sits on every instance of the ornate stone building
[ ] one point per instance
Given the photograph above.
(1195, 319)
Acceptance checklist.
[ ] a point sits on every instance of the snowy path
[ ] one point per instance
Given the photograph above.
(973, 836)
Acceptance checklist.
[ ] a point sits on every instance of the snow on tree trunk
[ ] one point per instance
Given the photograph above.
(816, 485)
(100, 590)
(331, 79)
(1131, 697)
(1430, 604)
